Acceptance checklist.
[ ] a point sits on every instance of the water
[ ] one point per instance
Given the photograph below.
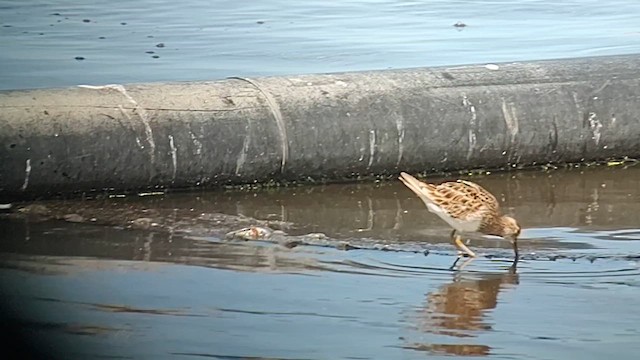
(117, 40)
(98, 288)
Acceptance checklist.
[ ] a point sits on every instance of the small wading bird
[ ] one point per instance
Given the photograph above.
(467, 207)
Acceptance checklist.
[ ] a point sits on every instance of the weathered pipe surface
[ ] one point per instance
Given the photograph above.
(321, 127)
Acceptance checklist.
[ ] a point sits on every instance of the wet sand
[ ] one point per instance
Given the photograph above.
(181, 289)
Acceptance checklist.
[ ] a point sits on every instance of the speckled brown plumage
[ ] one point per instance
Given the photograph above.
(466, 206)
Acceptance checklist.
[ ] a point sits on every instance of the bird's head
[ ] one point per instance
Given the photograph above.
(510, 228)
(511, 231)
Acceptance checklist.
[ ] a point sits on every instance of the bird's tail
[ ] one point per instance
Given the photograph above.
(423, 190)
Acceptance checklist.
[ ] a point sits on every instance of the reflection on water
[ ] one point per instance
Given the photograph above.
(601, 198)
(61, 248)
(570, 209)
(458, 309)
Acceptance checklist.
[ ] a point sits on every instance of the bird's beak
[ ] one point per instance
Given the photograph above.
(514, 242)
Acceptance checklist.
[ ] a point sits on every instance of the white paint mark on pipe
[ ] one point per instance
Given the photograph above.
(472, 125)
(604, 85)
(196, 143)
(141, 111)
(174, 157)
(126, 114)
(577, 104)
(595, 125)
(243, 153)
(372, 147)
(400, 128)
(27, 174)
(275, 110)
(511, 120)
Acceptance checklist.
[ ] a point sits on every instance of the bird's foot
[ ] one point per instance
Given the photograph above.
(466, 262)
(462, 247)
(462, 254)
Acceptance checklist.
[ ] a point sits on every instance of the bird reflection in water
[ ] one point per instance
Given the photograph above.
(458, 309)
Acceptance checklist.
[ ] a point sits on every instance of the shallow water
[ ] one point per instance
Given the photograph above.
(183, 291)
(120, 41)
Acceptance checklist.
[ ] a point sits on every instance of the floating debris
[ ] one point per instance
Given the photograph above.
(291, 244)
(142, 223)
(74, 218)
(343, 245)
(151, 193)
(34, 209)
(492, 67)
(250, 233)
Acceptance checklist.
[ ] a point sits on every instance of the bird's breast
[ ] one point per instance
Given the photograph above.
(458, 224)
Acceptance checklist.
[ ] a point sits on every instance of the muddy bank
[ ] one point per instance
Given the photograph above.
(313, 128)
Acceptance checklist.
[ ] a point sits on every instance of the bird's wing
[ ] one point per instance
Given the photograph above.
(479, 193)
(466, 200)
(462, 200)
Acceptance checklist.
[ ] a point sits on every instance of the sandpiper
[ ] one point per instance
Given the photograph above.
(467, 208)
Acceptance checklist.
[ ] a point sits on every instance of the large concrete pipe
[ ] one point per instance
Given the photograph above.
(320, 127)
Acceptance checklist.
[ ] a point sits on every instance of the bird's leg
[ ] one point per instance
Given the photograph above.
(455, 243)
(457, 240)
(514, 267)
(462, 266)
(454, 263)
(514, 242)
